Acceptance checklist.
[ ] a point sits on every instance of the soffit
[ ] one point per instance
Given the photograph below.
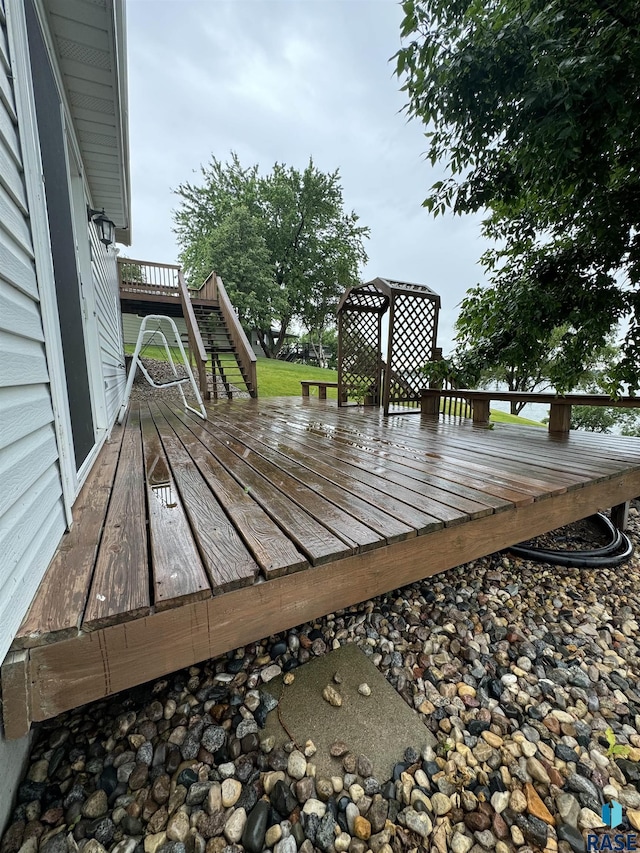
(89, 40)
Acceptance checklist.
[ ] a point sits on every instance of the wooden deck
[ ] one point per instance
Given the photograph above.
(192, 538)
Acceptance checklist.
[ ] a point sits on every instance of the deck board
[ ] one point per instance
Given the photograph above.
(57, 609)
(280, 511)
(120, 587)
(446, 448)
(312, 538)
(228, 562)
(339, 522)
(177, 571)
(417, 457)
(274, 552)
(382, 512)
(445, 504)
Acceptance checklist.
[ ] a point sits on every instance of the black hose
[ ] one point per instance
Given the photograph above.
(593, 558)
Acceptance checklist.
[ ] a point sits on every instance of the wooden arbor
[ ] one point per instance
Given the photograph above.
(411, 343)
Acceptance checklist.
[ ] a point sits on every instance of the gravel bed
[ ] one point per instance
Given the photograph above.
(526, 674)
(160, 371)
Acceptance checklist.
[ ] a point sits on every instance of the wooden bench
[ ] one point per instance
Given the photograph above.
(319, 384)
(559, 407)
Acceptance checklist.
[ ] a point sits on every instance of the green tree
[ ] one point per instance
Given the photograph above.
(531, 107)
(282, 242)
(492, 346)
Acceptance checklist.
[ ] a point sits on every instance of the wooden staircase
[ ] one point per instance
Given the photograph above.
(229, 374)
(214, 334)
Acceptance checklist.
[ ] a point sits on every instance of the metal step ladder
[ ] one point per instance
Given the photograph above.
(179, 381)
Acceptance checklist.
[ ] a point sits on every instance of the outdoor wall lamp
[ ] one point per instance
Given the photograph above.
(106, 228)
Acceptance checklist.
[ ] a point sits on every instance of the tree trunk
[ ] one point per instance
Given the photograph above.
(271, 345)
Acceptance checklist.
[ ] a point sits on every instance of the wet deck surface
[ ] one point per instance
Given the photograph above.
(178, 509)
(192, 538)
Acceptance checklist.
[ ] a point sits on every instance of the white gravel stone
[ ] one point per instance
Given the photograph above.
(500, 801)
(418, 822)
(270, 672)
(441, 804)
(234, 827)
(313, 806)
(461, 843)
(342, 842)
(589, 819)
(231, 790)
(297, 765)
(351, 813)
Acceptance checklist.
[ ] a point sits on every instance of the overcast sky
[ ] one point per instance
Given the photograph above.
(282, 80)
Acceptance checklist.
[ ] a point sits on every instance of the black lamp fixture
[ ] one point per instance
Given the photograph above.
(106, 228)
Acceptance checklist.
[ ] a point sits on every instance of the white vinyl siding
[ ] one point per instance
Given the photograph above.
(104, 273)
(131, 325)
(32, 518)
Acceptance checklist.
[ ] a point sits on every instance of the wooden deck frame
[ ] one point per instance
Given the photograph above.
(73, 667)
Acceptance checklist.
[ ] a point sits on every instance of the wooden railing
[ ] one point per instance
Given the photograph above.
(147, 279)
(196, 344)
(559, 407)
(213, 289)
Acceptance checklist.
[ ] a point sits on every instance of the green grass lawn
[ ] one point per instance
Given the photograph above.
(282, 378)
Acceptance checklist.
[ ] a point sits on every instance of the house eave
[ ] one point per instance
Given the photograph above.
(89, 39)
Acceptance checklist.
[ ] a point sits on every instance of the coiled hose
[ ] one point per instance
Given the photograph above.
(604, 557)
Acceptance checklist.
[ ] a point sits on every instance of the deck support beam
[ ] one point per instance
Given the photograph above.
(16, 705)
(72, 672)
(620, 515)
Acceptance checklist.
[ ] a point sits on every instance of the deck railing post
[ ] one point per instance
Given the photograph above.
(559, 418)
(430, 402)
(480, 409)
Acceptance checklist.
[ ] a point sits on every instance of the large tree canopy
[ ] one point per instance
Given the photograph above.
(532, 108)
(282, 242)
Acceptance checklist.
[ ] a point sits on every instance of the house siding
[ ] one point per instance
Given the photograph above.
(104, 272)
(32, 518)
(131, 325)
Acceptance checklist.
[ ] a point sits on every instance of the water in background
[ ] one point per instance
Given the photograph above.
(533, 411)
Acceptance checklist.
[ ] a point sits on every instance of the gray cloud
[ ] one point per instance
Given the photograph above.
(282, 80)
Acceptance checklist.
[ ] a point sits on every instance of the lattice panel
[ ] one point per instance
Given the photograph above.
(413, 341)
(359, 367)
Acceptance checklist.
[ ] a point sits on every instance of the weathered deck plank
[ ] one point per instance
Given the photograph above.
(96, 664)
(293, 484)
(317, 542)
(392, 519)
(341, 523)
(443, 451)
(479, 484)
(274, 552)
(227, 560)
(458, 506)
(56, 610)
(177, 571)
(120, 587)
